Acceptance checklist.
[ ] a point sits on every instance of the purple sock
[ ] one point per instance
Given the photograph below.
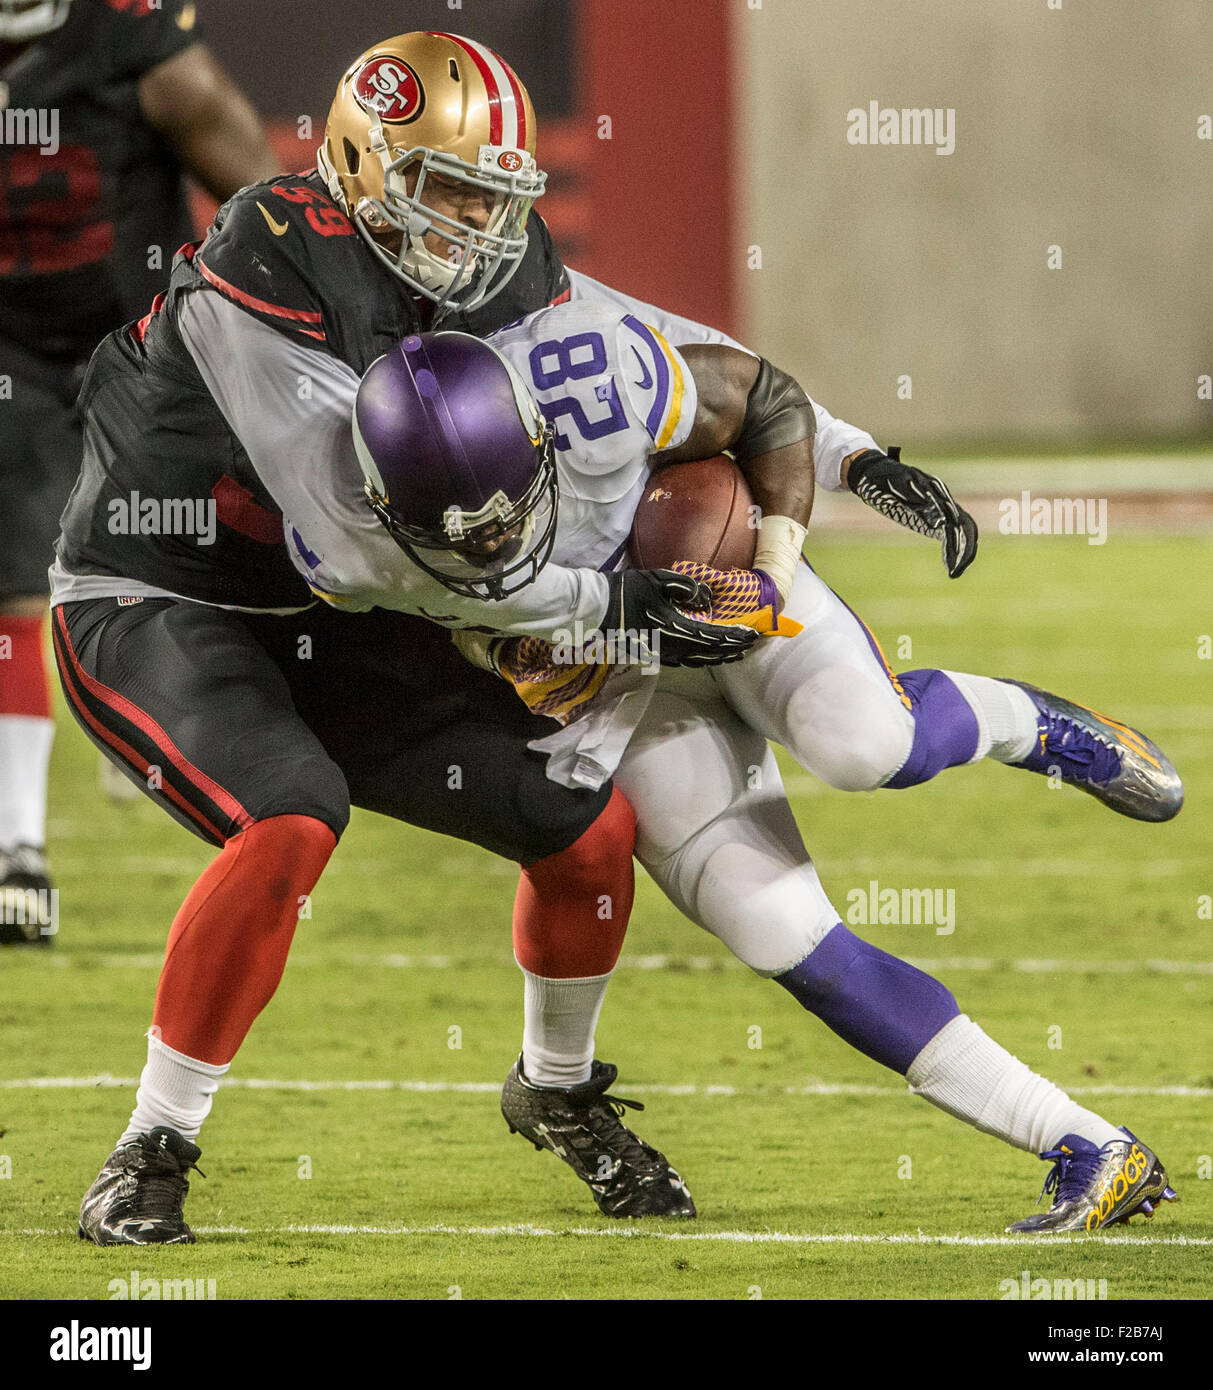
(881, 1005)
(945, 728)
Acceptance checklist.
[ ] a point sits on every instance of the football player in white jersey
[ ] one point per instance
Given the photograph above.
(689, 749)
(831, 700)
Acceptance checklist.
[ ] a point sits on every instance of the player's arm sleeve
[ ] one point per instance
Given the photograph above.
(291, 407)
(835, 440)
(257, 273)
(144, 36)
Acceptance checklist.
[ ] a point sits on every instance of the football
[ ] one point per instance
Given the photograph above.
(700, 511)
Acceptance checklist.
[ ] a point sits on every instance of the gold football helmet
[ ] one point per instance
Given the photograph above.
(428, 105)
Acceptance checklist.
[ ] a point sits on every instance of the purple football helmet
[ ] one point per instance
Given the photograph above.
(459, 463)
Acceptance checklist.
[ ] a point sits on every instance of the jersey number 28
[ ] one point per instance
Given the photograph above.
(561, 360)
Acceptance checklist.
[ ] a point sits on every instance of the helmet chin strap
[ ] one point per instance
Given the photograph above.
(435, 274)
(428, 274)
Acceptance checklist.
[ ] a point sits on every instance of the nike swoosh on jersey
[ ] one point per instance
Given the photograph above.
(278, 228)
(648, 378)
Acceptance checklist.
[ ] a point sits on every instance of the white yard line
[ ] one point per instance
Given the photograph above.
(632, 1233)
(106, 1082)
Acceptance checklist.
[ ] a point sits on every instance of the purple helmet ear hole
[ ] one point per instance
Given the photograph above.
(427, 383)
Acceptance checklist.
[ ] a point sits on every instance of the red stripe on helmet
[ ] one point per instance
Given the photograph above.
(490, 83)
(519, 104)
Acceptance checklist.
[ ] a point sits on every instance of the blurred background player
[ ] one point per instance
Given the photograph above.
(105, 107)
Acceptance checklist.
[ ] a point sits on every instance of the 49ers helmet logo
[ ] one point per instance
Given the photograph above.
(390, 88)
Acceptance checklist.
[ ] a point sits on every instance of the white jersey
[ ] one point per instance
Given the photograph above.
(302, 447)
(617, 393)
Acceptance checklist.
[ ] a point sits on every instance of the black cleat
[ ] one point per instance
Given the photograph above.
(581, 1125)
(139, 1193)
(26, 918)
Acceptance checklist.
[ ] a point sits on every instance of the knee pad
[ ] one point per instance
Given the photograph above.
(317, 788)
(748, 880)
(849, 729)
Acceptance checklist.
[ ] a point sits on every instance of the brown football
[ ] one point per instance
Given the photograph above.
(695, 511)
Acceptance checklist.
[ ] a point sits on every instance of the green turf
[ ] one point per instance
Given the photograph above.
(1038, 874)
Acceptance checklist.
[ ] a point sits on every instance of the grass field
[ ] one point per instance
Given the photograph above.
(377, 1164)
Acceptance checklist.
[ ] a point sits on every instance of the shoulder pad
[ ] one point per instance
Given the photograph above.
(276, 249)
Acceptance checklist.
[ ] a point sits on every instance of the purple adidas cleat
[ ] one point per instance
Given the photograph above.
(1095, 1187)
(1112, 762)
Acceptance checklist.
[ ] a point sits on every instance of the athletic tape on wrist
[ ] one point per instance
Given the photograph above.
(780, 540)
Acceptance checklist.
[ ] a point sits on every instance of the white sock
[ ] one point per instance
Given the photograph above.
(1006, 717)
(969, 1075)
(174, 1090)
(25, 754)
(558, 1035)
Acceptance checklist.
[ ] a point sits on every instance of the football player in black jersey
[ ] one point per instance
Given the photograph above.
(104, 105)
(195, 654)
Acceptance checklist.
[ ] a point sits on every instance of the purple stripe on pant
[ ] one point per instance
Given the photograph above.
(945, 728)
(883, 1006)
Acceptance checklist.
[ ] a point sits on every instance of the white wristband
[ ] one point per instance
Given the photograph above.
(780, 540)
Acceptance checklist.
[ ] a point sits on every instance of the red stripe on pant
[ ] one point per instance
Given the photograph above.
(24, 688)
(572, 908)
(70, 666)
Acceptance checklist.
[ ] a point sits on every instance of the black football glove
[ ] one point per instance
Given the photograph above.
(643, 602)
(915, 499)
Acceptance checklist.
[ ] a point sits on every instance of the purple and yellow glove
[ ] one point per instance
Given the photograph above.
(557, 689)
(747, 598)
(549, 687)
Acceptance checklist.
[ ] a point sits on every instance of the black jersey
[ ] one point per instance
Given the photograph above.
(92, 204)
(286, 254)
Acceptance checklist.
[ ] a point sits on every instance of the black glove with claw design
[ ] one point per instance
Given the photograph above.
(915, 499)
(651, 604)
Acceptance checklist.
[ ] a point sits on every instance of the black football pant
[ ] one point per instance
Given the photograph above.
(40, 452)
(227, 718)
